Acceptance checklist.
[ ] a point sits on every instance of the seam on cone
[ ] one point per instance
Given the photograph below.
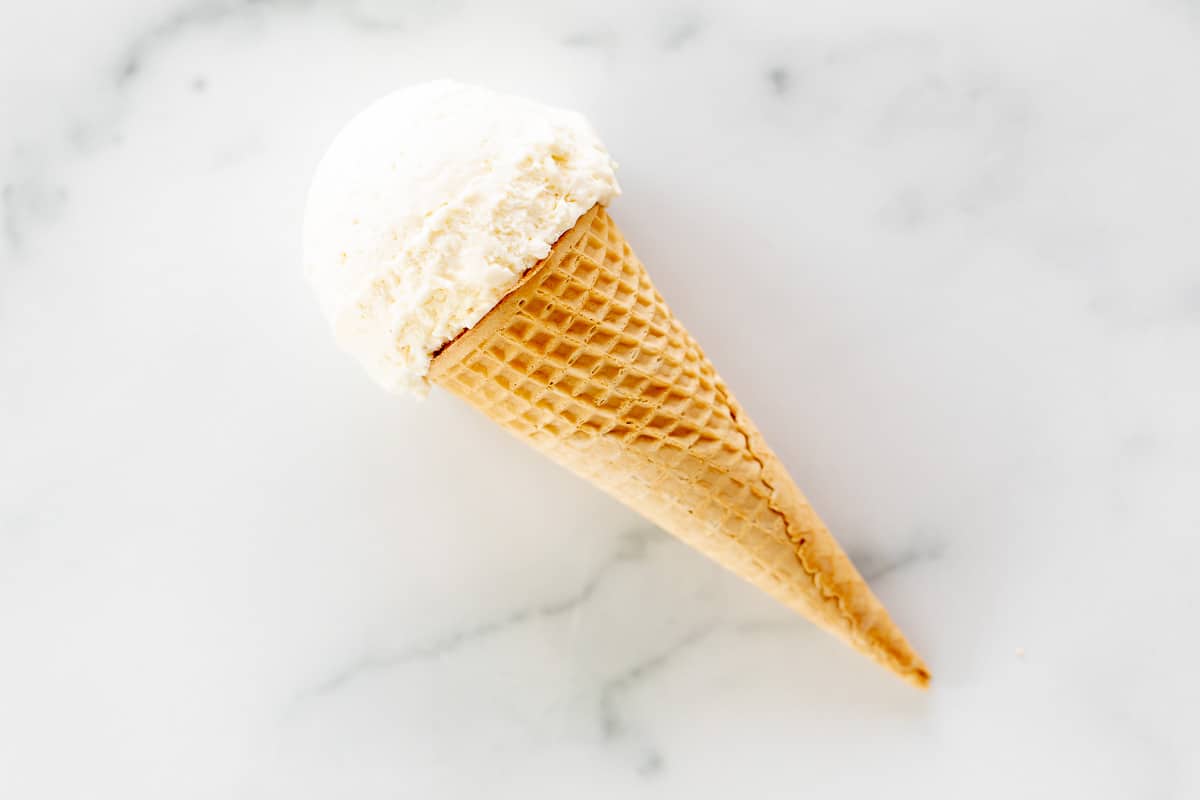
(830, 594)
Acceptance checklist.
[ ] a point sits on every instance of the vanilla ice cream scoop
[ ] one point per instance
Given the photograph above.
(428, 208)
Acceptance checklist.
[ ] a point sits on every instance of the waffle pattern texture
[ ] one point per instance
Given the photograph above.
(584, 361)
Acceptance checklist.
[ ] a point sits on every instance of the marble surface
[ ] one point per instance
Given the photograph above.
(946, 253)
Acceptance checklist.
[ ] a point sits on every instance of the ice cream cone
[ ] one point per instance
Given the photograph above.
(584, 361)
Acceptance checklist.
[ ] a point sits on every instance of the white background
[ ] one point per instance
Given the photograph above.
(946, 253)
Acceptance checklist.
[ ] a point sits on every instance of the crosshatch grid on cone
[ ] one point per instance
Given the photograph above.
(592, 352)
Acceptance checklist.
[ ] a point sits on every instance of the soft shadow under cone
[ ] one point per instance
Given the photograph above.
(584, 361)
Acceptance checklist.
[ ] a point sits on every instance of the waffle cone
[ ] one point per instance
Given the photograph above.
(584, 361)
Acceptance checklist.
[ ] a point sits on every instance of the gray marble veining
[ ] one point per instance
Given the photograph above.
(944, 253)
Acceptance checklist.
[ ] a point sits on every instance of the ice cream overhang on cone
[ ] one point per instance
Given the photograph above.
(458, 235)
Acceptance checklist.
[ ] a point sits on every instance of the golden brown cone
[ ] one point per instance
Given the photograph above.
(584, 361)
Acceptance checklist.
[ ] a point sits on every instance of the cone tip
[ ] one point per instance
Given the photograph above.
(919, 677)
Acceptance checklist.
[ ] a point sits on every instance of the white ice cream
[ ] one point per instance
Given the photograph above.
(427, 209)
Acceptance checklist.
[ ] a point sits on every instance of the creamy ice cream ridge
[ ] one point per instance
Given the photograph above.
(428, 208)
